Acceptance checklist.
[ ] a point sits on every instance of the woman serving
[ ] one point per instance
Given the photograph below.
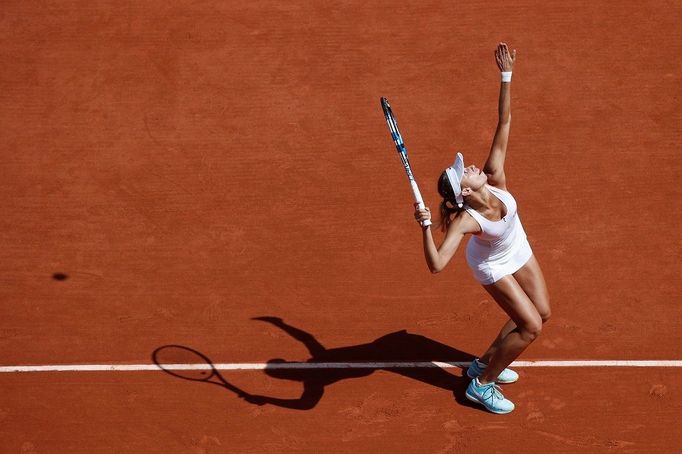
(477, 202)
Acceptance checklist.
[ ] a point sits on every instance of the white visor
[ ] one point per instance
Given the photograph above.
(455, 173)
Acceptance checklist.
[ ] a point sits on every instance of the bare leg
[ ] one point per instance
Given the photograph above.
(513, 300)
(532, 281)
(506, 329)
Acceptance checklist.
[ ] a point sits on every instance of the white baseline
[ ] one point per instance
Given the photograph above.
(313, 365)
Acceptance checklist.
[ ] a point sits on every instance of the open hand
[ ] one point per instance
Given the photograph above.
(504, 59)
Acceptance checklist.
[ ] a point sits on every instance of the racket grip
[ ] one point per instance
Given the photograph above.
(419, 200)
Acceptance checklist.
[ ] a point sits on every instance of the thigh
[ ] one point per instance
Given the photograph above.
(531, 280)
(515, 302)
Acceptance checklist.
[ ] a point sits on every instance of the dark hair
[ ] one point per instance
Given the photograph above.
(448, 206)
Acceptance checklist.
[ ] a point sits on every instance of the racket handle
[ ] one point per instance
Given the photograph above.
(419, 200)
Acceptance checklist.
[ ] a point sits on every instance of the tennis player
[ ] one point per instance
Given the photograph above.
(477, 202)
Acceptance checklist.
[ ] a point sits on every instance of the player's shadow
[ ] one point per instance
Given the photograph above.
(399, 346)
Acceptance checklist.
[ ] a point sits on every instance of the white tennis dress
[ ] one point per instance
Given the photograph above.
(501, 248)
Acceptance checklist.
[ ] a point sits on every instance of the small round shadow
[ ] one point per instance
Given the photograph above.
(60, 276)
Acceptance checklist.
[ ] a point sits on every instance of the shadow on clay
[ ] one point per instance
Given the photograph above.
(399, 346)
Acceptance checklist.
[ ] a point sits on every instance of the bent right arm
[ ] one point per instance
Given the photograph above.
(438, 257)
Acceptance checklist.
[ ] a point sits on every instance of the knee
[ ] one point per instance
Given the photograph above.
(531, 331)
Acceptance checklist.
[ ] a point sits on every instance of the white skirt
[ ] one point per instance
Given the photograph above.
(489, 268)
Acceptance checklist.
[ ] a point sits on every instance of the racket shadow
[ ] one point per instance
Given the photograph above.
(189, 364)
(399, 346)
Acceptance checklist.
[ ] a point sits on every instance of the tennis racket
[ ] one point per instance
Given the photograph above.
(402, 151)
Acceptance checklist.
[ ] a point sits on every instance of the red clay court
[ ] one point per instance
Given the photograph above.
(219, 176)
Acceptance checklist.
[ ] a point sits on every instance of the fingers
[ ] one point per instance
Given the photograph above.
(422, 214)
(504, 51)
(504, 58)
(498, 57)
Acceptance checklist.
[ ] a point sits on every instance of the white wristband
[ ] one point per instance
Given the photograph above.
(506, 76)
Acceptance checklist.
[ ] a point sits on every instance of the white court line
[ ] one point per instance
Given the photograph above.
(353, 365)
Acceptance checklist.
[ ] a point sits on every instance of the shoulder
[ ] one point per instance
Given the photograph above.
(464, 223)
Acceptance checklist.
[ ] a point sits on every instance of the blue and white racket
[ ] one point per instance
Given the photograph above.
(402, 151)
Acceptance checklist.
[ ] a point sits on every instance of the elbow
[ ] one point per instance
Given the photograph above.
(435, 269)
(438, 264)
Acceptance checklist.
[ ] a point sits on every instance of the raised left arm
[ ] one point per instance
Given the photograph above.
(494, 166)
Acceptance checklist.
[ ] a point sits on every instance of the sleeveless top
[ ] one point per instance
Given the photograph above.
(499, 241)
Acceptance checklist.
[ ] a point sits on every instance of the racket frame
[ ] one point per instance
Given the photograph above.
(402, 151)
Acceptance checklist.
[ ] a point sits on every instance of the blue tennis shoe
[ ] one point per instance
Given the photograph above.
(506, 376)
(490, 396)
